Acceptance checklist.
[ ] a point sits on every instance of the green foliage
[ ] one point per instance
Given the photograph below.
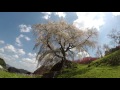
(2, 62)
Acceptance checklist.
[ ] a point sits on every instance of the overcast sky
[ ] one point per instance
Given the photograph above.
(17, 40)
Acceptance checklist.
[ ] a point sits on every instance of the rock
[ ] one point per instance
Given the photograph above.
(42, 70)
(52, 70)
(51, 74)
(56, 69)
(46, 66)
(59, 65)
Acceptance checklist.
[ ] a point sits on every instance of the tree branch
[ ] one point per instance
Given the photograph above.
(72, 46)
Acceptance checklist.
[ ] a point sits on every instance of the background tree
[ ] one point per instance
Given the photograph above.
(106, 47)
(58, 38)
(99, 51)
(102, 50)
(114, 35)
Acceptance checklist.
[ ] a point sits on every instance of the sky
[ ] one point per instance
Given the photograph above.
(17, 40)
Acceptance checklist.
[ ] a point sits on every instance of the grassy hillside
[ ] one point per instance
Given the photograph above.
(5, 74)
(82, 71)
(109, 60)
(107, 67)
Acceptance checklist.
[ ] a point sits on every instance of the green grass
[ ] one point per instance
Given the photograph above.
(112, 60)
(101, 72)
(5, 74)
(107, 67)
(82, 71)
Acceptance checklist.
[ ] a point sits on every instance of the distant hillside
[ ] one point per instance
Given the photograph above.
(15, 70)
(12, 69)
(7, 66)
(2, 62)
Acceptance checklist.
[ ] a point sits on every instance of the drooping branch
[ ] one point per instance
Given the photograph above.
(73, 46)
(60, 37)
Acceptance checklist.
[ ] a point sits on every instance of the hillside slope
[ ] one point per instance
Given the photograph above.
(112, 59)
(107, 67)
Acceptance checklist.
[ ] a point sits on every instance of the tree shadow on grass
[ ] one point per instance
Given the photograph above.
(71, 73)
